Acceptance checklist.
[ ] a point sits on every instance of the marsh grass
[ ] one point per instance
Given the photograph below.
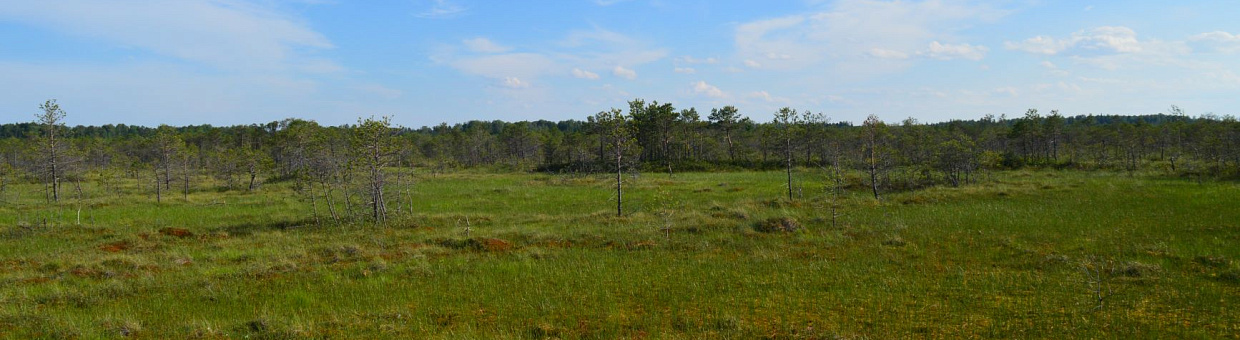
(545, 257)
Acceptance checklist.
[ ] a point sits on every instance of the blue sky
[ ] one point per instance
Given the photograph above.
(226, 62)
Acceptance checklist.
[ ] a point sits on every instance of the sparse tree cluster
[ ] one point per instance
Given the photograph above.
(347, 173)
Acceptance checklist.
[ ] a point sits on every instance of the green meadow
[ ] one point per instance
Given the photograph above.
(472, 255)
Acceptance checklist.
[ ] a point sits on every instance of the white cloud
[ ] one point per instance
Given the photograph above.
(601, 49)
(851, 33)
(625, 73)
(500, 66)
(767, 97)
(515, 83)
(704, 89)
(1054, 69)
(441, 9)
(776, 56)
(1118, 38)
(692, 60)
(1040, 45)
(1217, 41)
(1104, 39)
(583, 74)
(957, 51)
(380, 90)
(753, 64)
(596, 49)
(888, 54)
(224, 34)
(484, 45)
(684, 70)
(1216, 36)
(1007, 90)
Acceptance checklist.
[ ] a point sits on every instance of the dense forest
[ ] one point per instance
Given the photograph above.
(649, 137)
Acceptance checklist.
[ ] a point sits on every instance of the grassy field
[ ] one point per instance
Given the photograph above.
(1036, 254)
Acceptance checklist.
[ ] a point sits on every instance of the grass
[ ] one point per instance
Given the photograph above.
(1030, 254)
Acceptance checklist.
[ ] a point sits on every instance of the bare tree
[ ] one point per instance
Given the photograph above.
(167, 147)
(616, 131)
(786, 120)
(873, 131)
(52, 121)
(373, 143)
(726, 118)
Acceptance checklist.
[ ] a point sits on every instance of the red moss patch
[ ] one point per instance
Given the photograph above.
(177, 232)
(494, 244)
(116, 247)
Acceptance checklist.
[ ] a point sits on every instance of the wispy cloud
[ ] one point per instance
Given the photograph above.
(583, 74)
(692, 60)
(703, 89)
(767, 97)
(943, 51)
(850, 34)
(484, 45)
(515, 83)
(1216, 41)
(1106, 39)
(231, 35)
(596, 49)
(441, 9)
(502, 66)
(622, 72)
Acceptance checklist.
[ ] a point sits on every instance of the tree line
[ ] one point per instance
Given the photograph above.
(344, 169)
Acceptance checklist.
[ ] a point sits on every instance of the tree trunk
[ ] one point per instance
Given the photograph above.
(314, 203)
(158, 194)
(55, 176)
(331, 205)
(788, 160)
(185, 185)
(874, 173)
(619, 191)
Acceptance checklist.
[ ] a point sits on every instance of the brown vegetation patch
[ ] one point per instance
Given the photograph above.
(484, 244)
(176, 232)
(494, 245)
(116, 247)
(778, 225)
(640, 245)
(557, 244)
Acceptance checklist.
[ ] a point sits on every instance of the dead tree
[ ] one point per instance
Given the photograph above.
(872, 132)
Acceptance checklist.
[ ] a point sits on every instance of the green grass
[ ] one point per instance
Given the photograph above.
(545, 257)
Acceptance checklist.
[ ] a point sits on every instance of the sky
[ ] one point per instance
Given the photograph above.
(423, 62)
